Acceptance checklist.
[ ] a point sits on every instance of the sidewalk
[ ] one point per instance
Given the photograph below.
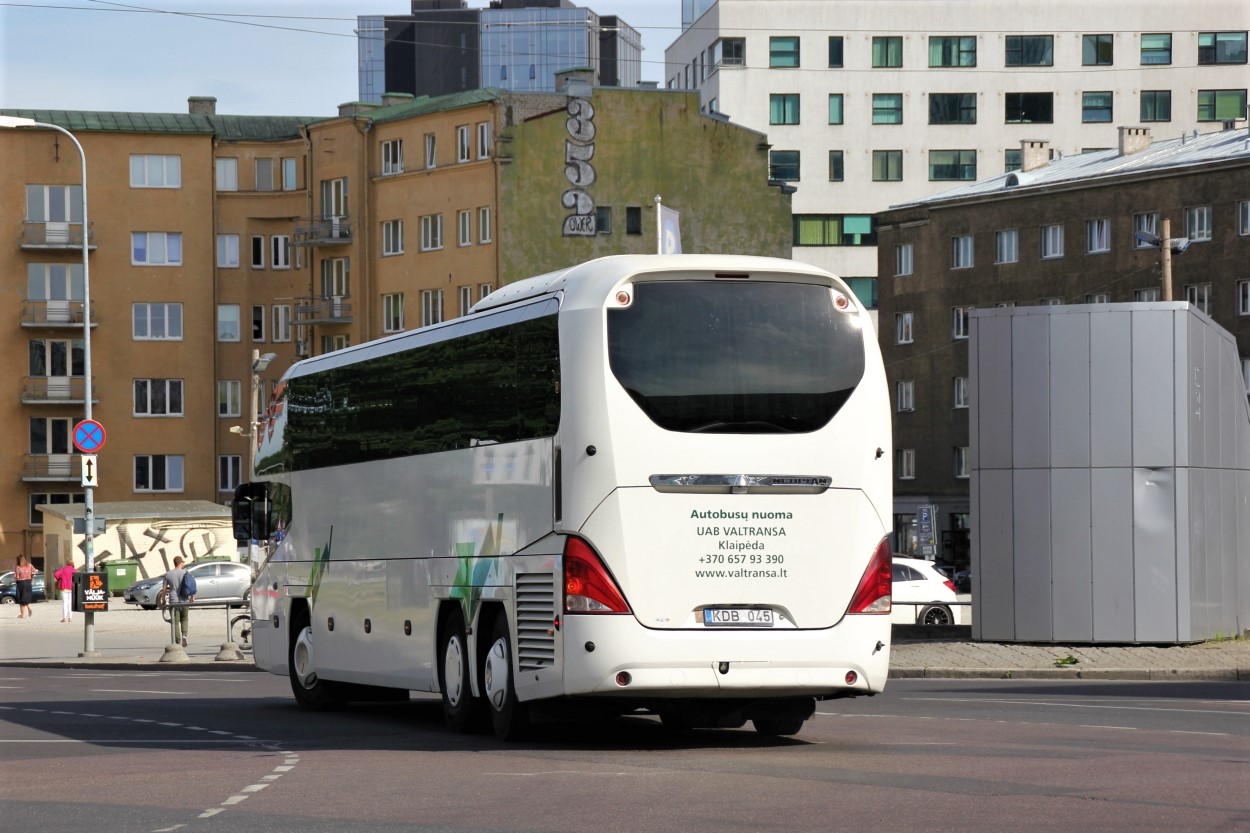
(127, 637)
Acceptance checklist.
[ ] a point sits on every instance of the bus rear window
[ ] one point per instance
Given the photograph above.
(739, 358)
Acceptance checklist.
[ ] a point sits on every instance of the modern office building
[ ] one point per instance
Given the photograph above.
(445, 47)
(1082, 229)
(870, 103)
(215, 238)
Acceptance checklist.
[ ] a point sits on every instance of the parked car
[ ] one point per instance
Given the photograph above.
(963, 581)
(8, 591)
(215, 581)
(922, 595)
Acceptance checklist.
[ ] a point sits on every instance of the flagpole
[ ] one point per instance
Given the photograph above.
(659, 228)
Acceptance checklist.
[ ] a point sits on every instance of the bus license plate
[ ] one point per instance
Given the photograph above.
(751, 617)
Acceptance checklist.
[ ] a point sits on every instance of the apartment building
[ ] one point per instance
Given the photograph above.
(871, 103)
(1083, 229)
(216, 238)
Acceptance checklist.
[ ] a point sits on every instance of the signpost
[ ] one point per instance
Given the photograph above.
(91, 589)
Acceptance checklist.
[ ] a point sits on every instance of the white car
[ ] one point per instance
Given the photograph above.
(922, 595)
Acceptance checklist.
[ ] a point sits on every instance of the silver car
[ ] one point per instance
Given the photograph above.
(215, 581)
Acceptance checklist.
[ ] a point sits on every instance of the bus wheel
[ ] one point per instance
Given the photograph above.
(310, 691)
(509, 717)
(778, 725)
(460, 708)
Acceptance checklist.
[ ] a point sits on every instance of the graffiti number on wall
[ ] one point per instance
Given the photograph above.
(579, 151)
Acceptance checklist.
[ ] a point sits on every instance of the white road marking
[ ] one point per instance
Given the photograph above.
(208, 814)
(133, 691)
(234, 799)
(1057, 704)
(254, 788)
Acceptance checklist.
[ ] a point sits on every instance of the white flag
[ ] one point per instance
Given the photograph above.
(670, 231)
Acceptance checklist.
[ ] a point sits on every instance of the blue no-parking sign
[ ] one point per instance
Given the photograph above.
(89, 436)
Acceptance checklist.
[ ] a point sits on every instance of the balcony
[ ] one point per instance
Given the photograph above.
(55, 236)
(57, 390)
(322, 231)
(51, 467)
(323, 310)
(54, 314)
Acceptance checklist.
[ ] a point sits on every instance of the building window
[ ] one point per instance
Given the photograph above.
(783, 52)
(783, 108)
(156, 322)
(1156, 105)
(1243, 218)
(833, 230)
(464, 227)
(952, 51)
(603, 219)
(1096, 50)
(1098, 298)
(1030, 50)
(227, 174)
(264, 174)
(466, 299)
(1051, 302)
(483, 140)
(961, 252)
(905, 463)
(835, 52)
(288, 175)
(464, 143)
(959, 322)
(835, 108)
(1221, 48)
(258, 322)
(336, 342)
(281, 322)
(156, 248)
(1007, 246)
(158, 472)
(483, 290)
(431, 306)
(155, 171)
(1030, 108)
(393, 157)
(1221, 105)
(227, 322)
(227, 251)
(229, 398)
(393, 237)
(887, 52)
(431, 232)
(1097, 236)
(952, 165)
(887, 166)
(887, 108)
(1146, 295)
(1013, 160)
(158, 397)
(1156, 48)
(952, 108)
(258, 251)
(1145, 225)
(431, 150)
(902, 328)
(729, 51)
(1199, 295)
(836, 169)
(1198, 223)
(960, 393)
(393, 312)
(35, 516)
(229, 472)
(633, 218)
(783, 165)
(280, 251)
(903, 259)
(1245, 372)
(1243, 297)
(483, 224)
(1096, 107)
(905, 395)
(961, 462)
(1052, 241)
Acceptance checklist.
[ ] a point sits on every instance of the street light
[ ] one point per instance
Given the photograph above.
(1167, 246)
(259, 365)
(89, 501)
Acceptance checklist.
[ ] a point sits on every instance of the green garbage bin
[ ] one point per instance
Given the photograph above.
(122, 573)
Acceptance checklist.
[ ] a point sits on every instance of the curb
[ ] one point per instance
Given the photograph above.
(138, 664)
(1138, 674)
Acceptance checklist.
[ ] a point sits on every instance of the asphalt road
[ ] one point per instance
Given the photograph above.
(168, 750)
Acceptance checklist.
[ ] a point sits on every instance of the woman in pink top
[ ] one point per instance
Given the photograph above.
(65, 582)
(23, 574)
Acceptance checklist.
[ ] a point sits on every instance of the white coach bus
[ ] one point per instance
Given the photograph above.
(644, 483)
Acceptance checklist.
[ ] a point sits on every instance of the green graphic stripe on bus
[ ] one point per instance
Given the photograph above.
(321, 555)
(473, 572)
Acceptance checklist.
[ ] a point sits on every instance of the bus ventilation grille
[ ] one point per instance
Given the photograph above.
(536, 613)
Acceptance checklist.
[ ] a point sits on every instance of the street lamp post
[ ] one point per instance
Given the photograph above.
(89, 502)
(259, 365)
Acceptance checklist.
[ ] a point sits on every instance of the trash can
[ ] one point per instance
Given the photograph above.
(122, 573)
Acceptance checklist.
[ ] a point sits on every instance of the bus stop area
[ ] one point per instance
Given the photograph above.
(127, 637)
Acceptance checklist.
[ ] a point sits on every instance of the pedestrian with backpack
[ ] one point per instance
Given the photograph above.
(179, 587)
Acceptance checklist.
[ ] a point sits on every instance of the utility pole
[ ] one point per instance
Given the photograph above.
(1165, 249)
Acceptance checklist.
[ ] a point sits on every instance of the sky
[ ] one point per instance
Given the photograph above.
(261, 57)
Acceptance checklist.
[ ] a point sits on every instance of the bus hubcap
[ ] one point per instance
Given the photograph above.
(496, 674)
(453, 673)
(305, 668)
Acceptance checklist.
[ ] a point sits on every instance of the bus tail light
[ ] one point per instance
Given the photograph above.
(873, 593)
(588, 588)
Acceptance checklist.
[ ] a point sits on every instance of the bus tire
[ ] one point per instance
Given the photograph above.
(461, 709)
(778, 726)
(935, 615)
(508, 717)
(311, 692)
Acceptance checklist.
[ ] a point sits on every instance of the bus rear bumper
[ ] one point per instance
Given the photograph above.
(614, 655)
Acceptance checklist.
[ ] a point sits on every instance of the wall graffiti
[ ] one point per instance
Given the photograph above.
(154, 544)
(579, 152)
